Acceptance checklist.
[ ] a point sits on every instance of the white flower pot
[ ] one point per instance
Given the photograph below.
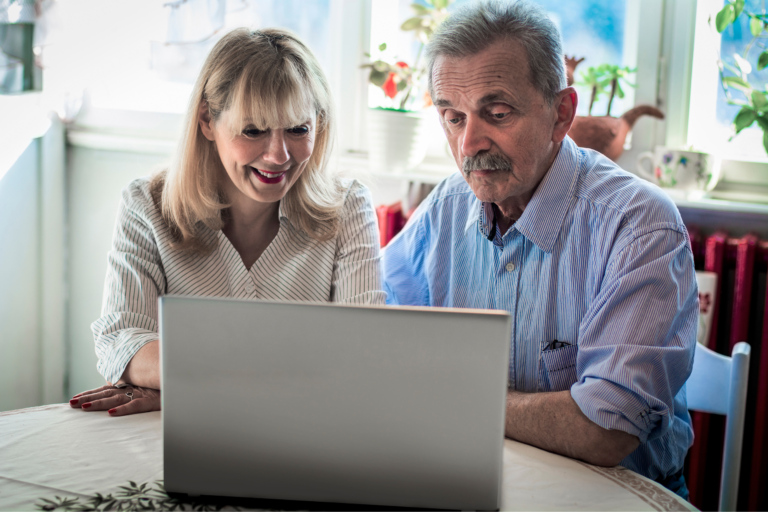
(396, 140)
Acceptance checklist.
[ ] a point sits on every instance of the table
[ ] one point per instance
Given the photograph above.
(54, 450)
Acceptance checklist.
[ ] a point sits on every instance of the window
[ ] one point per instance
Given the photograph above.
(711, 118)
(139, 56)
(600, 31)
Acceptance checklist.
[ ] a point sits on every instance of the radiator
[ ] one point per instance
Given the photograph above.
(740, 313)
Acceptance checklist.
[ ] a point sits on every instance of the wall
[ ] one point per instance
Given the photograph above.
(20, 376)
(32, 281)
(95, 179)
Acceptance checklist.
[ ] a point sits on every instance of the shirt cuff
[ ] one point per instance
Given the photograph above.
(118, 349)
(614, 407)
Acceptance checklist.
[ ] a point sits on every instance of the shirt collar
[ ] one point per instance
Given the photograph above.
(478, 216)
(282, 211)
(544, 215)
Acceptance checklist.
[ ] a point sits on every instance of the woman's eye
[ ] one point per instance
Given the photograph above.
(298, 130)
(252, 132)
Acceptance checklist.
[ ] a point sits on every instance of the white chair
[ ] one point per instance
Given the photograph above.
(718, 385)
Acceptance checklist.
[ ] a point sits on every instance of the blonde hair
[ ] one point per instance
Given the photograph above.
(270, 79)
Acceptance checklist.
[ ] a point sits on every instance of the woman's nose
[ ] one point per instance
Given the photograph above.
(277, 149)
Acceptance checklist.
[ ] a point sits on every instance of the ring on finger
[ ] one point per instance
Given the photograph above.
(129, 395)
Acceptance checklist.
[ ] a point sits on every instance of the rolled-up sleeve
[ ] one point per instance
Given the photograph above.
(356, 274)
(637, 340)
(134, 280)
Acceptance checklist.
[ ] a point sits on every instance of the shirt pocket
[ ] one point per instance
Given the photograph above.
(560, 368)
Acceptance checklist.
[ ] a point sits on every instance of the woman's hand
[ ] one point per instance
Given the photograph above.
(116, 401)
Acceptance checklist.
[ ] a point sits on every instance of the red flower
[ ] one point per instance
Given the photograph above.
(401, 64)
(390, 87)
(658, 172)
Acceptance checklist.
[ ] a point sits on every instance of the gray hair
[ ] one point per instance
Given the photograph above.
(475, 27)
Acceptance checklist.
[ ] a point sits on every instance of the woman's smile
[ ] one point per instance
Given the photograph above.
(268, 177)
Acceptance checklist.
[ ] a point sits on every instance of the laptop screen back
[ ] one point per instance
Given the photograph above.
(353, 404)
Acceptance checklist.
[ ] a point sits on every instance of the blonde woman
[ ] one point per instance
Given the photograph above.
(248, 209)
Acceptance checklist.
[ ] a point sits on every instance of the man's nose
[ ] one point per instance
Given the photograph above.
(277, 149)
(475, 137)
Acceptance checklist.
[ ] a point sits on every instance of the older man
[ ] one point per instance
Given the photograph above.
(592, 263)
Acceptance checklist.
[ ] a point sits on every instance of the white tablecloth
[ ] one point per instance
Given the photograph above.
(58, 451)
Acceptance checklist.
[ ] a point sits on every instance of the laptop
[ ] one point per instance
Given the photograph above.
(394, 406)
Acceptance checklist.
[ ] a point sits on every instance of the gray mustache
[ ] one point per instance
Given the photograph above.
(485, 161)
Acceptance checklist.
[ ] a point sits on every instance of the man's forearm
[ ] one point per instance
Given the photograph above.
(144, 369)
(554, 422)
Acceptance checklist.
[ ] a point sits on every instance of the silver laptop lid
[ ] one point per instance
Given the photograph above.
(319, 402)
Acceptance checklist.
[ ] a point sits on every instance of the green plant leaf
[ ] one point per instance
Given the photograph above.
(380, 66)
(762, 122)
(725, 17)
(738, 6)
(411, 24)
(378, 78)
(762, 60)
(755, 26)
(420, 10)
(402, 84)
(440, 4)
(382, 47)
(744, 119)
(759, 101)
(738, 83)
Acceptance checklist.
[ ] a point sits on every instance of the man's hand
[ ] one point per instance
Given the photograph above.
(116, 401)
(554, 422)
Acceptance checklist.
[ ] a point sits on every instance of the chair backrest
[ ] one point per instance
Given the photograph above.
(718, 384)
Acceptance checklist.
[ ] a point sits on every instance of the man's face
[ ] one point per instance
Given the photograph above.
(500, 128)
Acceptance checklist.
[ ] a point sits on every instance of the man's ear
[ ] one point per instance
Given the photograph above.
(204, 120)
(565, 106)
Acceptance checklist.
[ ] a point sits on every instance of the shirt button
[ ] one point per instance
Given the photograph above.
(249, 288)
(510, 267)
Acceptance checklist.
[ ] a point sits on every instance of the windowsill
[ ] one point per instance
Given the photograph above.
(432, 170)
(726, 202)
(435, 169)
(108, 141)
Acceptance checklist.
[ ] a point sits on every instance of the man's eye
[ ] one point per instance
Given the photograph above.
(298, 130)
(500, 115)
(452, 118)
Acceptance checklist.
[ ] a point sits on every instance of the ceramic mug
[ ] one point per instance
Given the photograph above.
(679, 169)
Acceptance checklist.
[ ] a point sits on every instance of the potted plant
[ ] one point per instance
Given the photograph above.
(735, 77)
(605, 134)
(396, 131)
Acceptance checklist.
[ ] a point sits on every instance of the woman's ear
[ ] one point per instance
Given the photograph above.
(204, 120)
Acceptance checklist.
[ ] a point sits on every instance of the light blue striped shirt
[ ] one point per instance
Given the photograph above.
(599, 260)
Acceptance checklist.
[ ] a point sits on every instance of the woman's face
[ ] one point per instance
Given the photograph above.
(262, 165)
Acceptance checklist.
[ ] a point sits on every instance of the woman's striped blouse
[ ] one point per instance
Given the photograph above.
(142, 266)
